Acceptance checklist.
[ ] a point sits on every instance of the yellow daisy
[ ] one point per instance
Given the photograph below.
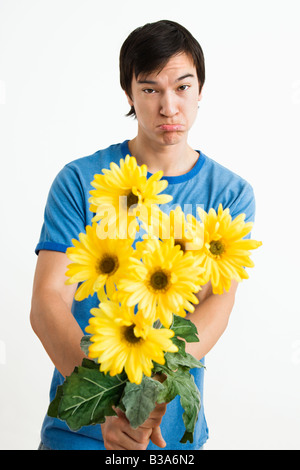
(162, 282)
(160, 225)
(122, 340)
(225, 253)
(125, 191)
(97, 263)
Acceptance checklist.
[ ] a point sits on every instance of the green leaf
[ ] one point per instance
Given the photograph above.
(180, 344)
(160, 368)
(190, 401)
(181, 358)
(184, 329)
(85, 344)
(187, 330)
(53, 407)
(90, 364)
(188, 436)
(140, 400)
(88, 397)
(182, 383)
(174, 360)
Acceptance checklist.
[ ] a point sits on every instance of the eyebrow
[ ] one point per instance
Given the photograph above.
(153, 82)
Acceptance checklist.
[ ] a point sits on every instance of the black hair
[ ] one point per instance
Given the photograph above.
(149, 48)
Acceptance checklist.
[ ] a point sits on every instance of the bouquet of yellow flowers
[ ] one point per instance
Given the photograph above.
(135, 342)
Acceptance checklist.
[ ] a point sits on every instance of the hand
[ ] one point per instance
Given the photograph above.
(119, 435)
(153, 422)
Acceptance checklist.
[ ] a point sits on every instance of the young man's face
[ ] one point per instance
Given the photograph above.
(166, 103)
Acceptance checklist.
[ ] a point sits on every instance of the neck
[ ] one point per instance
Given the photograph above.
(173, 160)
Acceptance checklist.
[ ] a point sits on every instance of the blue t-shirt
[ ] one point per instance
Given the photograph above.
(67, 214)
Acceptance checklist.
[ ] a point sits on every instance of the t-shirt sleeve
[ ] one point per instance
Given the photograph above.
(64, 216)
(244, 204)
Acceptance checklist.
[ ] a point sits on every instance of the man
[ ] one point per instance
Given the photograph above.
(162, 73)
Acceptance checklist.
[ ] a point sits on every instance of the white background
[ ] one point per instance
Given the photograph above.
(60, 99)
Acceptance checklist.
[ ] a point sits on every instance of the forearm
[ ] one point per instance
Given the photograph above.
(58, 331)
(211, 318)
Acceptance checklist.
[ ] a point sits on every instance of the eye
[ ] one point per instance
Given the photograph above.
(183, 87)
(149, 91)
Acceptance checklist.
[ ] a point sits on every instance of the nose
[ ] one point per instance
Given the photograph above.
(168, 104)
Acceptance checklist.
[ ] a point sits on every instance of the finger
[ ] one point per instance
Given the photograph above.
(130, 437)
(120, 413)
(156, 437)
(141, 434)
(134, 442)
(159, 410)
(155, 416)
(126, 438)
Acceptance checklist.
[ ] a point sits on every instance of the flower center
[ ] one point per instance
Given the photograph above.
(108, 265)
(132, 199)
(159, 280)
(216, 247)
(129, 334)
(181, 243)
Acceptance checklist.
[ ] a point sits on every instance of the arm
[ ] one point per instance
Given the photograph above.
(60, 334)
(51, 317)
(211, 318)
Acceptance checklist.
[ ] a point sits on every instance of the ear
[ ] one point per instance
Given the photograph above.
(130, 102)
(200, 95)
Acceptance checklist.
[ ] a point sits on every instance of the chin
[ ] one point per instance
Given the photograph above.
(172, 138)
